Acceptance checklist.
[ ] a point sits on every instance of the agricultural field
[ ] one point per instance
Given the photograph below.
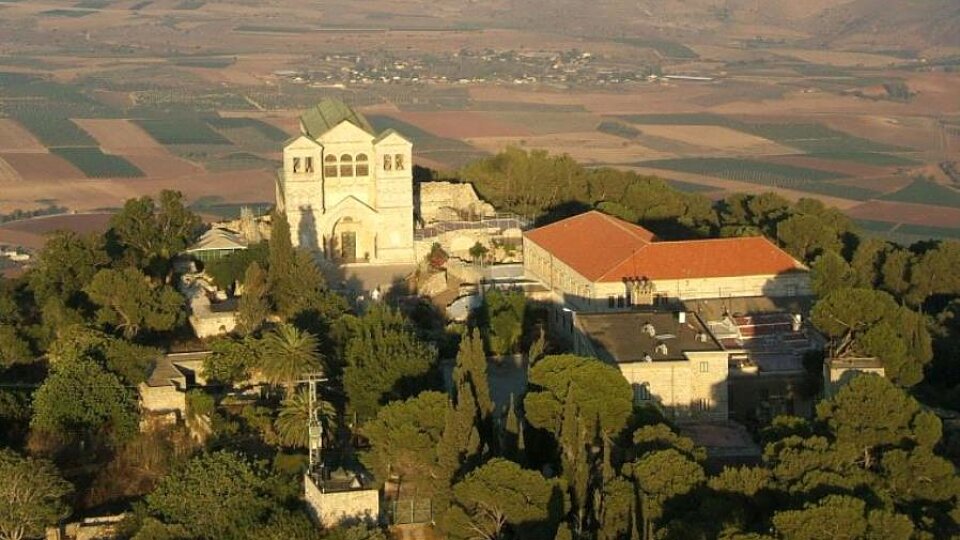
(209, 116)
(14, 138)
(53, 130)
(926, 192)
(181, 131)
(95, 164)
(744, 170)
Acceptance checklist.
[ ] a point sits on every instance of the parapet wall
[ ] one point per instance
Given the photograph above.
(341, 507)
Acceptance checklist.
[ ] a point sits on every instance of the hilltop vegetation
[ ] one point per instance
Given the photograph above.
(79, 330)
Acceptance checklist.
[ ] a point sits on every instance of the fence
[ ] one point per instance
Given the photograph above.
(498, 221)
(404, 511)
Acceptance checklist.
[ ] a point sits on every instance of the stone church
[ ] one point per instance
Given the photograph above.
(346, 190)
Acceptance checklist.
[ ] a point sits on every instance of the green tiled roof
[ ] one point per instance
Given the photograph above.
(329, 113)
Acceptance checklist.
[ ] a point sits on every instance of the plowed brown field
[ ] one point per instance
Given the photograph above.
(118, 136)
(914, 214)
(41, 167)
(14, 138)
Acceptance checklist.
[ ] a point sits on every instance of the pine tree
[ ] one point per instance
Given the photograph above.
(253, 307)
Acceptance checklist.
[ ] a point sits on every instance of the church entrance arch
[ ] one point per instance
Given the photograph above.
(345, 239)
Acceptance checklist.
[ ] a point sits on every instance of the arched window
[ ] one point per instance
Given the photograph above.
(346, 165)
(363, 167)
(330, 166)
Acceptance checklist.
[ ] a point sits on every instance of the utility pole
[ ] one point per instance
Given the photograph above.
(314, 427)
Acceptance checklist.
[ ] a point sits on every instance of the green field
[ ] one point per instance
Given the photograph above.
(93, 4)
(618, 129)
(669, 49)
(875, 226)
(765, 174)
(272, 29)
(811, 138)
(95, 164)
(212, 62)
(239, 161)
(926, 192)
(688, 187)
(38, 96)
(867, 158)
(268, 131)
(927, 231)
(53, 130)
(181, 131)
(744, 170)
(73, 13)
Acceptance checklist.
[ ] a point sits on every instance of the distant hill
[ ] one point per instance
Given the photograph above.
(856, 24)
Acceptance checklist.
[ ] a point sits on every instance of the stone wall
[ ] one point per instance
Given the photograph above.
(445, 201)
(341, 507)
(162, 398)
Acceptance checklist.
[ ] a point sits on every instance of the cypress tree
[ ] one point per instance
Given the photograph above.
(253, 307)
(282, 262)
(470, 375)
(512, 433)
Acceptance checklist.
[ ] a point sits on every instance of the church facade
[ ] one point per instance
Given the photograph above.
(347, 191)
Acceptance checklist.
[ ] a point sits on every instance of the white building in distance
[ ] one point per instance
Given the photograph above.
(347, 191)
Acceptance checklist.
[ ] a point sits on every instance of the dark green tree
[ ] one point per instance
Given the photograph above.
(503, 315)
(403, 442)
(31, 496)
(500, 500)
(215, 496)
(602, 396)
(830, 272)
(232, 360)
(869, 413)
(254, 305)
(231, 269)
(294, 278)
(130, 361)
(867, 262)
(865, 322)
(385, 360)
(82, 399)
(152, 232)
(661, 476)
(65, 266)
(129, 302)
(470, 374)
(841, 517)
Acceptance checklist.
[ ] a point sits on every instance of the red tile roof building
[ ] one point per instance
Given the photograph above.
(597, 261)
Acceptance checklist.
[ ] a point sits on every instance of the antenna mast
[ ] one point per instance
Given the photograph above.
(314, 427)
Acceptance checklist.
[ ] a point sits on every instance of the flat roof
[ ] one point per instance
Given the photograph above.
(854, 363)
(624, 336)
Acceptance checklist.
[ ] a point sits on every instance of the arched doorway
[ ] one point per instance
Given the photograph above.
(345, 239)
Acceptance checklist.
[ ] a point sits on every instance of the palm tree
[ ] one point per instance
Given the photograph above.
(288, 354)
(291, 423)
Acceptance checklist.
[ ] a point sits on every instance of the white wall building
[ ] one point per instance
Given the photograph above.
(593, 262)
(347, 191)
